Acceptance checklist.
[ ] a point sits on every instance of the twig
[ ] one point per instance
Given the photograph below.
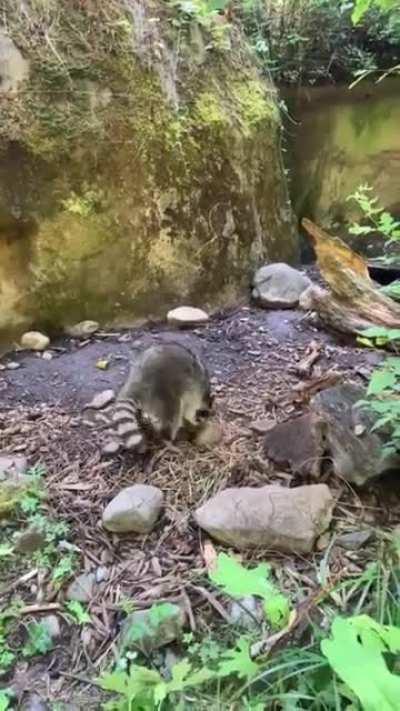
(32, 609)
(212, 600)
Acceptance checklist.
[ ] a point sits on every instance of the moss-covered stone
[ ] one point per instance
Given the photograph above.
(145, 187)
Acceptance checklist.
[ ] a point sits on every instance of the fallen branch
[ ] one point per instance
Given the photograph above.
(354, 303)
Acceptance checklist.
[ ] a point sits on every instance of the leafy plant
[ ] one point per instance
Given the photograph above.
(147, 689)
(356, 651)
(384, 386)
(239, 582)
(380, 221)
(6, 696)
(39, 640)
(78, 613)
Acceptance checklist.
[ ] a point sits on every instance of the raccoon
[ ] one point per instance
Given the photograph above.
(168, 390)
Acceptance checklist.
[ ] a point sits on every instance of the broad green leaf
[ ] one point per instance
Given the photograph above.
(238, 581)
(238, 661)
(355, 652)
(381, 380)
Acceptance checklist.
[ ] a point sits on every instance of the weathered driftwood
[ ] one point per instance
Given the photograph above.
(353, 303)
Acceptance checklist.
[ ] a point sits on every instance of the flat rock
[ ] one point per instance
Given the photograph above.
(101, 400)
(148, 630)
(272, 517)
(82, 588)
(134, 509)
(297, 444)
(354, 540)
(12, 465)
(186, 316)
(357, 454)
(83, 329)
(279, 286)
(35, 341)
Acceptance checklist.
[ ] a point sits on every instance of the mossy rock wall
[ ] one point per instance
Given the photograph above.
(136, 171)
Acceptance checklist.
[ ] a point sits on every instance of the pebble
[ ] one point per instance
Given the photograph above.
(13, 365)
(82, 588)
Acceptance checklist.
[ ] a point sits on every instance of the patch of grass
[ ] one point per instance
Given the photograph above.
(360, 624)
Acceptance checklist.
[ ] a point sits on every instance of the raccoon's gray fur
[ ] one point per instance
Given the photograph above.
(167, 390)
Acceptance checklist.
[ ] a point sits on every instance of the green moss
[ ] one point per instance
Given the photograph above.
(255, 107)
(209, 109)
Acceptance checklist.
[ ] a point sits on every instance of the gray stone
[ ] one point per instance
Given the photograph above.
(82, 588)
(297, 444)
(151, 629)
(279, 286)
(272, 517)
(34, 703)
(30, 540)
(101, 400)
(357, 454)
(12, 465)
(13, 365)
(354, 540)
(82, 329)
(134, 509)
(52, 625)
(246, 613)
(13, 67)
(102, 574)
(186, 316)
(35, 341)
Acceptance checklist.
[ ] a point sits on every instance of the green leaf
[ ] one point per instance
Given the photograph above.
(238, 661)
(78, 612)
(381, 380)
(238, 581)
(355, 652)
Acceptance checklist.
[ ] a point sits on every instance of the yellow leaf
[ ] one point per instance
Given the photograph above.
(102, 364)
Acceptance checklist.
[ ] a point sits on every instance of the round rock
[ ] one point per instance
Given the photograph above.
(134, 509)
(83, 329)
(35, 341)
(279, 286)
(187, 316)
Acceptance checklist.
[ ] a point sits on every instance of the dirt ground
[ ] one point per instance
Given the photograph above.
(252, 355)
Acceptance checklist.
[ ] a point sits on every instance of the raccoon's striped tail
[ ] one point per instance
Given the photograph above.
(127, 427)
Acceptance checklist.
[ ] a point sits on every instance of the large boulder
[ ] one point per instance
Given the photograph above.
(127, 179)
(272, 517)
(358, 454)
(279, 286)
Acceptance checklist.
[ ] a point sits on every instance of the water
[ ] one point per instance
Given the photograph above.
(339, 138)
